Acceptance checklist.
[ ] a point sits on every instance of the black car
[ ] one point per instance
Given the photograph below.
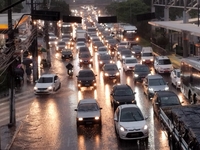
(86, 78)
(85, 59)
(111, 72)
(136, 50)
(164, 100)
(140, 72)
(122, 94)
(104, 59)
(66, 54)
(83, 50)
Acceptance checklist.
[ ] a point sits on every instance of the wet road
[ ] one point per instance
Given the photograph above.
(51, 123)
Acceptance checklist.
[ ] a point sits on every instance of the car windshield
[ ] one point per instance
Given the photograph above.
(86, 74)
(123, 92)
(131, 114)
(45, 80)
(102, 50)
(147, 54)
(156, 82)
(164, 62)
(61, 43)
(88, 107)
(105, 57)
(110, 68)
(141, 69)
(126, 53)
(169, 100)
(80, 43)
(131, 61)
(137, 48)
(85, 55)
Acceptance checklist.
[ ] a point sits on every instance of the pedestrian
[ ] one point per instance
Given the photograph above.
(28, 72)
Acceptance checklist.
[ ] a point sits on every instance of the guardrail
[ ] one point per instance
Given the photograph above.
(159, 50)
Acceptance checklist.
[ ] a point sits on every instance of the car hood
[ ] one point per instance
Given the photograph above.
(166, 66)
(124, 98)
(134, 125)
(43, 85)
(88, 114)
(158, 87)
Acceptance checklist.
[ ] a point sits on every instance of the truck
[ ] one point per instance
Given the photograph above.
(182, 125)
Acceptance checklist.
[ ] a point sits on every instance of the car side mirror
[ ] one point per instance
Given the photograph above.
(75, 109)
(115, 119)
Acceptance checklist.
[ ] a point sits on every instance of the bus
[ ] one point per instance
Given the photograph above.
(66, 28)
(127, 32)
(190, 78)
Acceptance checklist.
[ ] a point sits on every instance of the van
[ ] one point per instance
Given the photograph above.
(147, 55)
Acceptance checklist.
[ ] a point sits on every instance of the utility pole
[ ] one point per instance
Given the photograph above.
(11, 47)
(46, 25)
(34, 47)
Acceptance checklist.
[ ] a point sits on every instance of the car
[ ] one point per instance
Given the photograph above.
(136, 50)
(175, 78)
(112, 44)
(123, 43)
(122, 94)
(88, 112)
(147, 55)
(61, 45)
(83, 49)
(102, 50)
(96, 45)
(111, 71)
(120, 49)
(66, 54)
(162, 64)
(130, 123)
(124, 54)
(140, 72)
(47, 84)
(86, 78)
(164, 99)
(80, 44)
(129, 63)
(104, 59)
(154, 83)
(85, 58)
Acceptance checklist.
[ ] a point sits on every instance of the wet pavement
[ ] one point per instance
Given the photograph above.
(8, 134)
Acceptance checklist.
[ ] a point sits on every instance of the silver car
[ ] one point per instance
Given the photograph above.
(88, 112)
(154, 83)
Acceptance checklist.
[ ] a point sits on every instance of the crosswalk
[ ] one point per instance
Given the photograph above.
(23, 101)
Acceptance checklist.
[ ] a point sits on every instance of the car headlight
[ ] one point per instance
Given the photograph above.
(96, 118)
(123, 56)
(49, 43)
(35, 88)
(91, 59)
(145, 127)
(80, 119)
(101, 62)
(81, 60)
(179, 82)
(111, 61)
(151, 89)
(117, 73)
(50, 88)
(106, 74)
(143, 60)
(56, 42)
(133, 52)
(136, 75)
(122, 128)
(151, 59)
(166, 88)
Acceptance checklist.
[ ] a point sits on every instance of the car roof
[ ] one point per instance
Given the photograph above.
(166, 93)
(48, 75)
(128, 106)
(154, 76)
(162, 57)
(87, 100)
(141, 65)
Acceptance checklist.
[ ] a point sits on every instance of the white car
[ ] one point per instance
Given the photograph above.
(147, 55)
(129, 63)
(175, 78)
(130, 124)
(47, 84)
(162, 64)
(88, 112)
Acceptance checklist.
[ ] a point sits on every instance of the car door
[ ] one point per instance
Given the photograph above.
(116, 119)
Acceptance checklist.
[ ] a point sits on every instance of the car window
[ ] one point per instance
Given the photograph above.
(156, 82)
(131, 114)
(123, 92)
(178, 74)
(147, 54)
(169, 100)
(45, 80)
(86, 74)
(164, 62)
(142, 69)
(88, 107)
(110, 68)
